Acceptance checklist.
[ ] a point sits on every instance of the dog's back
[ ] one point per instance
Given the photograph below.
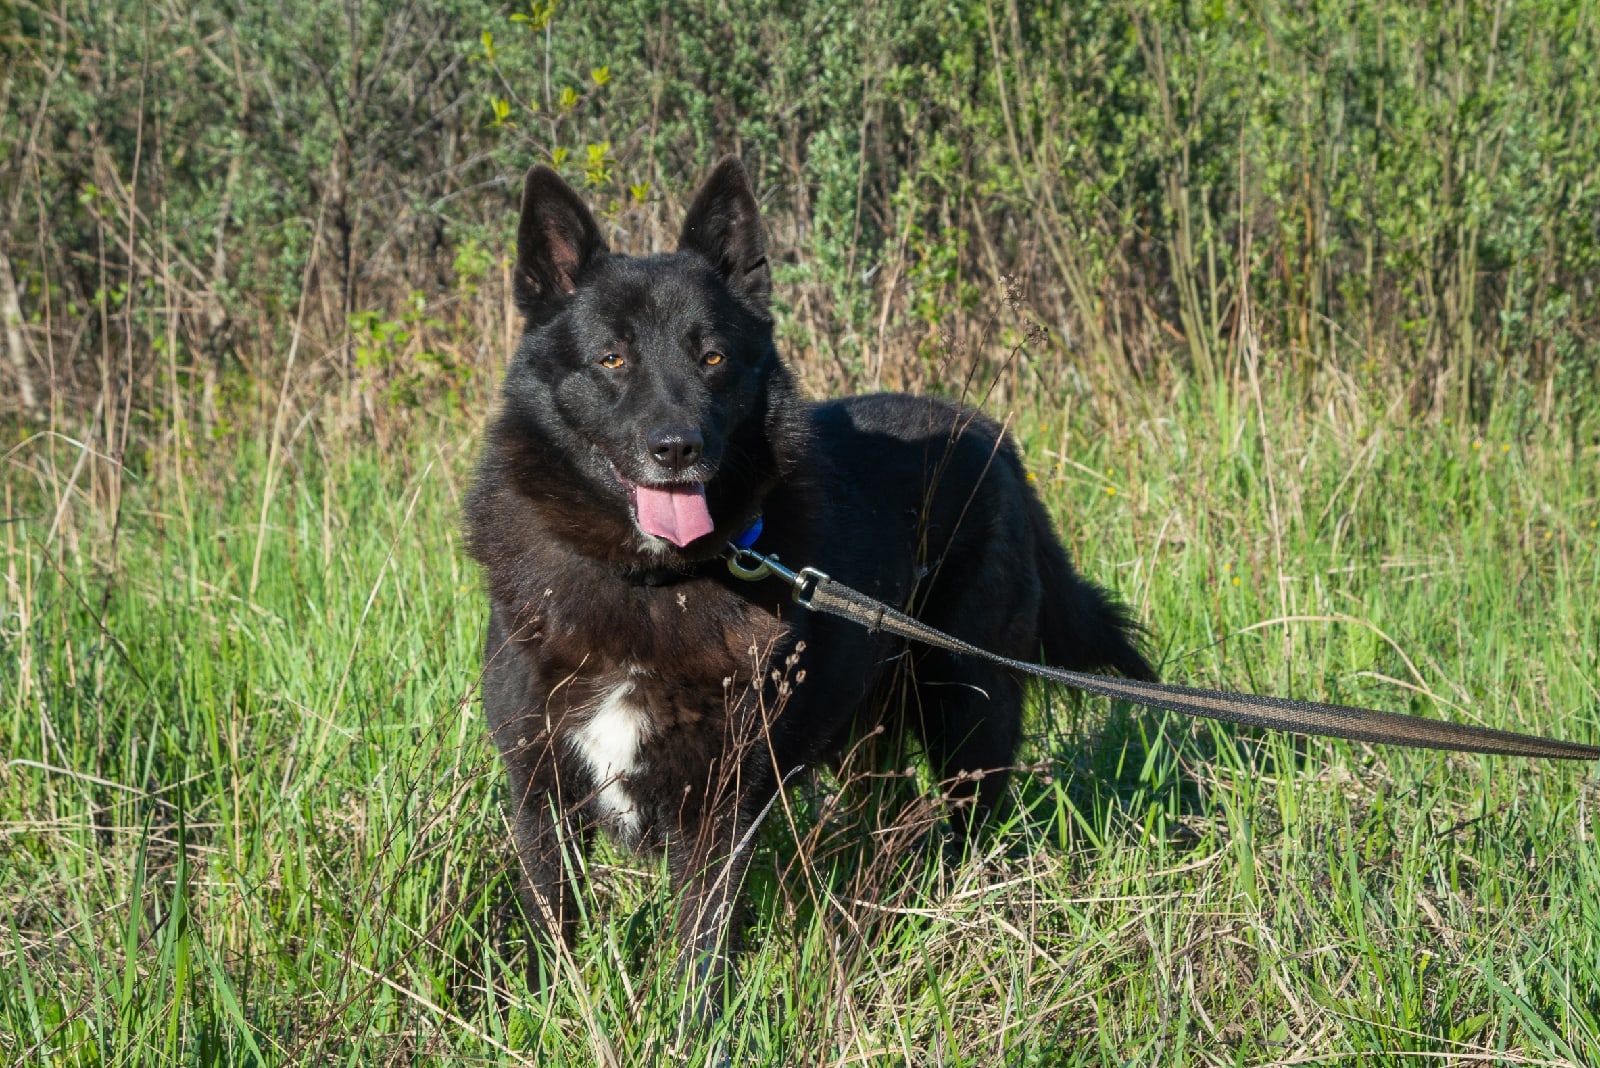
(929, 507)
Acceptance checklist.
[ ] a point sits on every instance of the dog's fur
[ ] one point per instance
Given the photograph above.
(633, 684)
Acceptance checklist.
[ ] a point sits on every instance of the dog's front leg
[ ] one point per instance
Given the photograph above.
(708, 862)
(551, 841)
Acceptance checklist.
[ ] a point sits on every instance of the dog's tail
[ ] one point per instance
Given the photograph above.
(1081, 626)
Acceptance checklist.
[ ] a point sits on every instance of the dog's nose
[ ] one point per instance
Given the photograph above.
(675, 447)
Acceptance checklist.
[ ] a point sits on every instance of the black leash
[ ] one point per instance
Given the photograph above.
(819, 593)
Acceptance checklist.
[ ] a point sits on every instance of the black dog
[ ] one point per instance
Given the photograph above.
(630, 681)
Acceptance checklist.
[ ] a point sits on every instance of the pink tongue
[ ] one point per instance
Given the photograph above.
(677, 513)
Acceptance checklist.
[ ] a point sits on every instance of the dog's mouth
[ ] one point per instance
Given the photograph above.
(676, 513)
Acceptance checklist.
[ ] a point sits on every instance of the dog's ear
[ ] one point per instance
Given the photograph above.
(724, 226)
(557, 241)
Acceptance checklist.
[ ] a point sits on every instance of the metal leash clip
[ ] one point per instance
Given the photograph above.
(753, 566)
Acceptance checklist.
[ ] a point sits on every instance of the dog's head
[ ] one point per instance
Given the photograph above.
(652, 383)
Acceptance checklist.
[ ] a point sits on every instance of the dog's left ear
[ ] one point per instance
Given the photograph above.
(724, 226)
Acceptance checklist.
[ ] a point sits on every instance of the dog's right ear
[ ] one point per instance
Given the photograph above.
(557, 241)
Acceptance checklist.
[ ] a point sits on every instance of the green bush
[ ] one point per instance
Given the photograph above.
(1397, 192)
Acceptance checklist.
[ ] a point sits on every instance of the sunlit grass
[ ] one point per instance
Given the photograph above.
(262, 826)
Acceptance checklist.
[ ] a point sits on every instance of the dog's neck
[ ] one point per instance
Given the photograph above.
(662, 575)
(645, 575)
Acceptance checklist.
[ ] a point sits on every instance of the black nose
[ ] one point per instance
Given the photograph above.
(675, 447)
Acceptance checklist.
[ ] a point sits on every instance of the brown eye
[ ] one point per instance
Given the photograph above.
(711, 359)
(611, 361)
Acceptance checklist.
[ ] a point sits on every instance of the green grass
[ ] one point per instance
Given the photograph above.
(251, 823)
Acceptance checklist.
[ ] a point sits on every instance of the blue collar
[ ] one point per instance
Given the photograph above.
(748, 538)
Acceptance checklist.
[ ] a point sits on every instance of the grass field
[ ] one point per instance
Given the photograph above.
(1292, 307)
(248, 815)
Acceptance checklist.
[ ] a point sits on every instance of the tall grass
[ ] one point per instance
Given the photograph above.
(1292, 308)
(249, 815)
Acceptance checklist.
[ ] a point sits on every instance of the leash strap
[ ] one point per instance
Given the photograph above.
(814, 590)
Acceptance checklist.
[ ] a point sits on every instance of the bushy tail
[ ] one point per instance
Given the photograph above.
(1081, 626)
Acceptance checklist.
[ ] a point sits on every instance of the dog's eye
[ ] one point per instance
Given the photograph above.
(611, 361)
(711, 359)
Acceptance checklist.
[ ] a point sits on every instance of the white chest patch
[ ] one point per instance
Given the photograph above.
(609, 742)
